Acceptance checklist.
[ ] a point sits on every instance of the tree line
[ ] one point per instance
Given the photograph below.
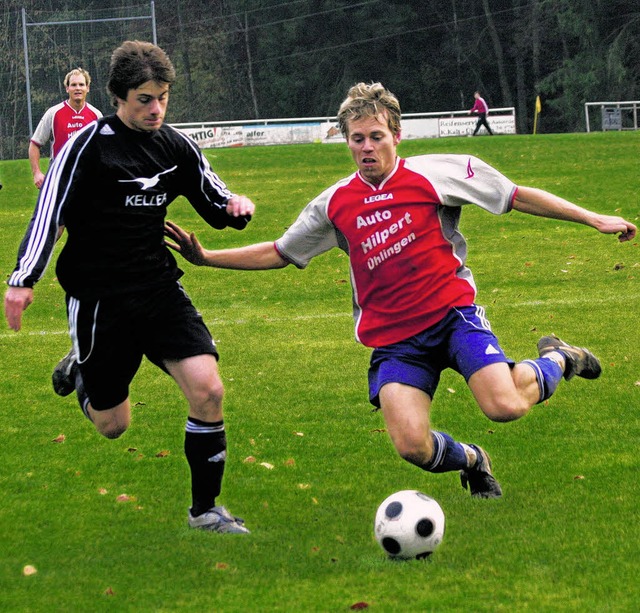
(263, 59)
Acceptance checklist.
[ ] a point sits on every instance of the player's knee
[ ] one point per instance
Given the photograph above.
(111, 426)
(112, 432)
(212, 394)
(205, 402)
(112, 429)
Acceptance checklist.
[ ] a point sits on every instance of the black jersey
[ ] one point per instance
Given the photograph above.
(112, 185)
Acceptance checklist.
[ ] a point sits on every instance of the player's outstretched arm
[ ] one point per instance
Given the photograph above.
(16, 300)
(261, 256)
(544, 204)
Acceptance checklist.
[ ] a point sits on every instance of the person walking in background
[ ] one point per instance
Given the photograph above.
(112, 184)
(481, 109)
(413, 295)
(62, 121)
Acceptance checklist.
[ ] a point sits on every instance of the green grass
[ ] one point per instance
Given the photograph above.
(563, 538)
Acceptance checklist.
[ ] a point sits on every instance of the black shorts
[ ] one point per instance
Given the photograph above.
(111, 335)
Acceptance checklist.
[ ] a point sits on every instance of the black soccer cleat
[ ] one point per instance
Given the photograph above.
(578, 360)
(479, 479)
(64, 374)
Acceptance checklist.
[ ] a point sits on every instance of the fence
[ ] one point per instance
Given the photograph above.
(209, 135)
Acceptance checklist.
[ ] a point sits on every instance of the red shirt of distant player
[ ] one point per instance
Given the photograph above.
(61, 122)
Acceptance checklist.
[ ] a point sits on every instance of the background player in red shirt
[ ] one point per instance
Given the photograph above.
(413, 293)
(61, 121)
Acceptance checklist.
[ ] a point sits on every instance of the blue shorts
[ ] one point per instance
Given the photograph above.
(462, 340)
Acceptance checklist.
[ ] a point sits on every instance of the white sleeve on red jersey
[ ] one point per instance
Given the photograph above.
(312, 233)
(465, 179)
(44, 131)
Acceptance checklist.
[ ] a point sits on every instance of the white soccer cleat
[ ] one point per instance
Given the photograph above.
(218, 519)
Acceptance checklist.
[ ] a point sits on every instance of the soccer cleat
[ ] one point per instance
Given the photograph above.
(64, 374)
(479, 479)
(578, 360)
(218, 519)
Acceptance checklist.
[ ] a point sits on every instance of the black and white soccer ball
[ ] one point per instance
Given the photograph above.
(409, 524)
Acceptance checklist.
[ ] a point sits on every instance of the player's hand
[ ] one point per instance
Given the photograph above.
(16, 300)
(186, 244)
(38, 179)
(240, 206)
(610, 224)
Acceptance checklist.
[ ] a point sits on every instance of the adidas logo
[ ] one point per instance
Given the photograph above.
(491, 350)
(107, 130)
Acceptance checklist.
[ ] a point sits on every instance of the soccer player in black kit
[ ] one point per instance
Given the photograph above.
(110, 187)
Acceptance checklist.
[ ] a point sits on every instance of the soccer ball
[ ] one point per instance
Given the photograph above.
(409, 524)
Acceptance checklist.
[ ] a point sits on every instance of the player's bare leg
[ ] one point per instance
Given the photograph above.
(406, 412)
(205, 442)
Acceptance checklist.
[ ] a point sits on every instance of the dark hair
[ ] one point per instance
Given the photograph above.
(135, 63)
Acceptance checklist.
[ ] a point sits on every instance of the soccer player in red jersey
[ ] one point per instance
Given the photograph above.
(62, 121)
(413, 294)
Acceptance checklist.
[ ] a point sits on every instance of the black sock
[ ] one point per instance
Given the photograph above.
(205, 446)
(83, 398)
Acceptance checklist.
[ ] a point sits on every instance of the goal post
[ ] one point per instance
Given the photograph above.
(619, 115)
(55, 42)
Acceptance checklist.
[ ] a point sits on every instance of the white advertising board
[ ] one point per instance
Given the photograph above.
(326, 130)
(464, 126)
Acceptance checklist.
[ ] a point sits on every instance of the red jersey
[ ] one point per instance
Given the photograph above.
(61, 122)
(406, 253)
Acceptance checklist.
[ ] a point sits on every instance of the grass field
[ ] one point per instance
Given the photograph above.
(104, 522)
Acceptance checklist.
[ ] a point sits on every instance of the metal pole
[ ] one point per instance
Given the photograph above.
(26, 68)
(586, 114)
(153, 22)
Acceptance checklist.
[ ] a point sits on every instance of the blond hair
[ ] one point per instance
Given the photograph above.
(77, 71)
(369, 100)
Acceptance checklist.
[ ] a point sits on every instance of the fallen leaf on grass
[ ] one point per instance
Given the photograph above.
(29, 570)
(267, 465)
(290, 462)
(221, 566)
(303, 486)
(249, 460)
(125, 498)
(102, 491)
(163, 454)
(109, 592)
(59, 439)
(358, 606)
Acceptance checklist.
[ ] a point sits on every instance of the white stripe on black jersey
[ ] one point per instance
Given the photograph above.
(110, 186)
